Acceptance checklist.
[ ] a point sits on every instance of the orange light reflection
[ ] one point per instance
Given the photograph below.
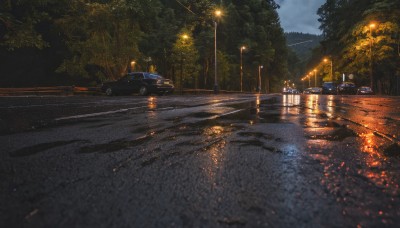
(152, 102)
(213, 134)
(375, 162)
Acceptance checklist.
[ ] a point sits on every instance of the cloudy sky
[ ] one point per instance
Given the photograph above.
(300, 15)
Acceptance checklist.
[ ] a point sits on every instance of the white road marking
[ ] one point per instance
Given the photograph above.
(98, 114)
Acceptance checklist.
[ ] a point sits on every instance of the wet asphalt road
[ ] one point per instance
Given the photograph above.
(200, 161)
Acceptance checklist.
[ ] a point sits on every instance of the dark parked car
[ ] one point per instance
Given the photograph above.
(365, 90)
(329, 88)
(143, 83)
(347, 88)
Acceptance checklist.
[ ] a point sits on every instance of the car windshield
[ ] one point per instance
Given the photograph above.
(153, 76)
(348, 85)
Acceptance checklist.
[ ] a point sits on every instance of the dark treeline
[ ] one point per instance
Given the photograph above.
(300, 46)
(55, 42)
(362, 38)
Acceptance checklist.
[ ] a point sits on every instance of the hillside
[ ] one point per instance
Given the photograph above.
(302, 44)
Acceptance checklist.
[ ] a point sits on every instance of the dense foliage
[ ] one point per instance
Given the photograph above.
(99, 39)
(362, 38)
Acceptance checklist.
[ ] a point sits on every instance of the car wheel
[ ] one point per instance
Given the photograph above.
(109, 92)
(143, 91)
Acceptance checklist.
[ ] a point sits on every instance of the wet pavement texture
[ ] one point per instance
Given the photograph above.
(243, 161)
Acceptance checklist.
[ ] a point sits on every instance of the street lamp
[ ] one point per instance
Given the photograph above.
(371, 76)
(315, 73)
(241, 67)
(184, 38)
(331, 73)
(259, 78)
(218, 14)
(133, 65)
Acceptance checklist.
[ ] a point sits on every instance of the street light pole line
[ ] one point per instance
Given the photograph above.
(259, 78)
(315, 73)
(371, 62)
(215, 60)
(241, 67)
(241, 70)
(218, 13)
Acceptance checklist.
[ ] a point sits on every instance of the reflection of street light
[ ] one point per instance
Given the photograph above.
(371, 76)
(218, 13)
(331, 73)
(241, 68)
(315, 73)
(259, 78)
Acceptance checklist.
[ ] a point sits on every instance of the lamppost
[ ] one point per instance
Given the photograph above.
(133, 65)
(315, 73)
(371, 76)
(218, 13)
(331, 72)
(241, 67)
(148, 60)
(259, 78)
(184, 38)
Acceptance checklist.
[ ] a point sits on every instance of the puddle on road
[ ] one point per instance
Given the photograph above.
(256, 134)
(254, 116)
(337, 135)
(392, 150)
(27, 151)
(255, 143)
(115, 145)
(321, 124)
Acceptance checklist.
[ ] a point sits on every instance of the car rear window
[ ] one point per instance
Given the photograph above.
(153, 76)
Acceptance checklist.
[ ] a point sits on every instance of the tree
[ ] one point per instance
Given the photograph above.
(99, 38)
(368, 52)
(185, 57)
(102, 35)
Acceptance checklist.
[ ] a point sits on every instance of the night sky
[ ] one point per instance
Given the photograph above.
(300, 15)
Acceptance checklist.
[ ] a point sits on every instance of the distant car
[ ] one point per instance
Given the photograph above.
(313, 90)
(307, 91)
(287, 90)
(329, 88)
(295, 91)
(290, 90)
(365, 90)
(347, 88)
(143, 83)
